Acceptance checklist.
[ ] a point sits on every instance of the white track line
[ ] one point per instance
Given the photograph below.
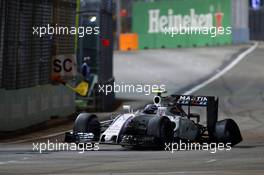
(223, 71)
(211, 160)
(8, 162)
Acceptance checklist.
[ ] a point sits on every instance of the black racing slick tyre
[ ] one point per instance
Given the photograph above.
(227, 131)
(162, 129)
(87, 123)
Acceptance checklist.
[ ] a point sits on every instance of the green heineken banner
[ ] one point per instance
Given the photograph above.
(182, 23)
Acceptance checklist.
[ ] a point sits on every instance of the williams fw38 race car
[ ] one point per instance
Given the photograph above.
(168, 119)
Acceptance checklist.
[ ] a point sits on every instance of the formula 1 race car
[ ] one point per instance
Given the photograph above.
(162, 122)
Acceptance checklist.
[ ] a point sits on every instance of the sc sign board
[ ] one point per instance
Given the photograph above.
(64, 66)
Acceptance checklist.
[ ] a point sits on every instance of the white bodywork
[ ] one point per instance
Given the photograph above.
(114, 129)
(112, 132)
(175, 119)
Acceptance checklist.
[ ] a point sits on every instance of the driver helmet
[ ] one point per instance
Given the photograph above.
(150, 109)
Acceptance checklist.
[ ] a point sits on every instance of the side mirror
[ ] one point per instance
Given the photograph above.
(128, 108)
(161, 111)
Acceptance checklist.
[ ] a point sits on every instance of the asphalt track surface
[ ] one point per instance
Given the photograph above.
(241, 98)
(173, 68)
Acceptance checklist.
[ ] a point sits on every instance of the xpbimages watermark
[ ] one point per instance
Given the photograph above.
(80, 31)
(130, 88)
(60, 146)
(183, 146)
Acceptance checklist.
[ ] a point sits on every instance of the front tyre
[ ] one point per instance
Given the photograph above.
(87, 123)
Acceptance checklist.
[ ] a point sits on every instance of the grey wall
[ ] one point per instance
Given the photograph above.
(240, 29)
(29, 106)
(2, 22)
(26, 96)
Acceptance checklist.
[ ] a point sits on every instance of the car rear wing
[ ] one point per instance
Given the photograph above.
(210, 102)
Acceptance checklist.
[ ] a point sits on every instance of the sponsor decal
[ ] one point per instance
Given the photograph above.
(159, 23)
(64, 65)
(194, 100)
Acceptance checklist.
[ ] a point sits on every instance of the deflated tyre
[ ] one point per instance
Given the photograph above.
(227, 131)
(162, 129)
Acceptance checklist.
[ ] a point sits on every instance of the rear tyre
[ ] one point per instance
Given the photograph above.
(87, 123)
(227, 131)
(162, 129)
